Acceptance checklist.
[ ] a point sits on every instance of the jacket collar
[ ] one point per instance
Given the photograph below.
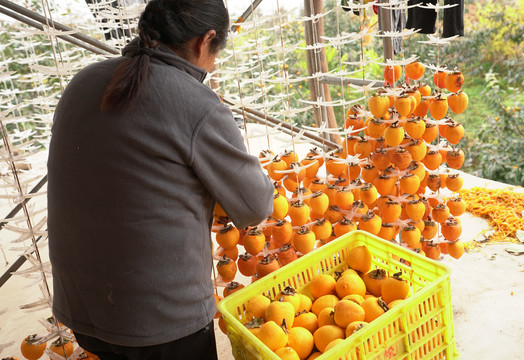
(168, 56)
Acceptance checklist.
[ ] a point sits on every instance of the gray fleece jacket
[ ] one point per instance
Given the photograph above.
(131, 197)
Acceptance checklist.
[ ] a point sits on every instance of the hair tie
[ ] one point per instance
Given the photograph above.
(145, 51)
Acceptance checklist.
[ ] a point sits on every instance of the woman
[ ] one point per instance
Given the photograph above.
(140, 152)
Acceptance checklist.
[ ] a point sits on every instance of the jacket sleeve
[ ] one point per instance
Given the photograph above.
(232, 176)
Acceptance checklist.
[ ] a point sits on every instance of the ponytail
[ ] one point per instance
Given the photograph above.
(170, 22)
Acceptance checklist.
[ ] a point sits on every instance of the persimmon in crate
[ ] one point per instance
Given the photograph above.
(415, 320)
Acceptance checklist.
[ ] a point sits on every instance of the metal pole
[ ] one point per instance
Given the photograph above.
(43, 20)
(38, 26)
(385, 23)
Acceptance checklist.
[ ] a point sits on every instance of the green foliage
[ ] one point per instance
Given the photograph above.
(497, 149)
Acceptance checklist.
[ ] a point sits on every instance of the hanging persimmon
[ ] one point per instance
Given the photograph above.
(415, 70)
(453, 81)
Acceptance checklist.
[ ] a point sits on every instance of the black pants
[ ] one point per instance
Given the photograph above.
(425, 19)
(200, 345)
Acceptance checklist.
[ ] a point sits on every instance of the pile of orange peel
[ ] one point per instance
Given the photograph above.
(503, 208)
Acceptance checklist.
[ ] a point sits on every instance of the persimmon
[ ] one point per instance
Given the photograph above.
(453, 81)
(410, 236)
(324, 301)
(356, 298)
(422, 108)
(288, 294)
(381, 159)
(304, 240)
(347, 311)
(455, 249)
(430, 229)
(311, 165)
(286, 254)
(368, 194)
(430, 133)
(307, 320)
(246, 264)
(350, 284)
(254, 241)
(29, 348)
(335, 165)
(415, 127)
(305, 302)
(227, 269)
(287, 353)
(454, 182)
(272, 335)
(325, 334)
(384, 184)
(289, 156)
(451, 229)
(333, 214)
(415, 209)
(354, 327)
(438, 107)
(282, 232)
(230, 253)
(322, 284)
(280, 206)
(391, 211)
(344, 226)
(458, 102)
(267, 265)
(301, 340)
(362, 148)
(417, 168)
(401, 158)
(299, 213)
(314, 355)
(433, 182)
(256, 306)
(319, 203)
(440, 213)
(404, 105)
(414, 70)
(62, 347)
(280, 311)
(392, 73)
(376, 127)
(394, 287)
(394, 134)
(325, 317)
(387, 231)
(409, 183)
(344, 198)
(373, 308)
(454, 133)
(431, 250)
(332, 344)
(439, 79)
(456, 205)
(322, 229)
(455, 158)
(275, 167)
(373, 281)
(432, 160)
(231, 288)
(228, 237)
(290, 183)
(354, 122)
(219, 211)
(378, 105)
(370, 223)
(369, 173)
(359, 259)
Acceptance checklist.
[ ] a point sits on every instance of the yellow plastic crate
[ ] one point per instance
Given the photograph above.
(420, 328)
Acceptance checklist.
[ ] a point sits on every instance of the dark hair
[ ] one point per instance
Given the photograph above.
(173, 23)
